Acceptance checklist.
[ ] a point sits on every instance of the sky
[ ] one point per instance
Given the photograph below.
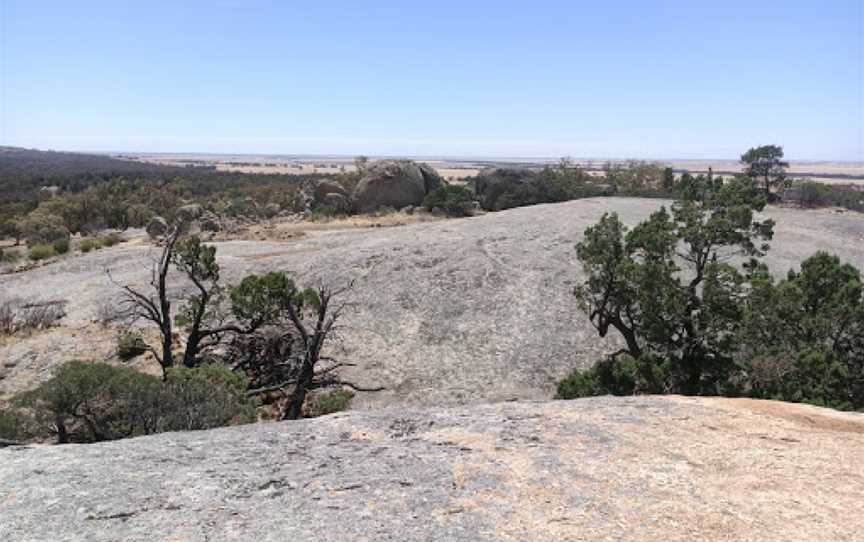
(610, 79)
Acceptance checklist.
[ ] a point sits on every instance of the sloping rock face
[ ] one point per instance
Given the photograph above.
(448, 312)
(640, 468)
(395, 183)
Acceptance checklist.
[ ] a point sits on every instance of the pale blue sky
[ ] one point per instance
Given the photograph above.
(644, 79)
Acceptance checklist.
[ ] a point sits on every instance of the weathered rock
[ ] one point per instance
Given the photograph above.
(340, 202)
(491, 183)
(642, 468)
(48, 192)
(325, 188)
(157, 227)
(396, 184)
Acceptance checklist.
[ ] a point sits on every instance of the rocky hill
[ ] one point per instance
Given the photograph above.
(448, 312)
(643, 468)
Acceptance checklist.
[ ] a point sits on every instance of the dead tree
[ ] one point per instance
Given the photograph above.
(201, 313)
(289, 362)
(155, 307)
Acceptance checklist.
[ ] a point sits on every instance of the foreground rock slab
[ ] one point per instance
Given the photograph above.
(645, 468)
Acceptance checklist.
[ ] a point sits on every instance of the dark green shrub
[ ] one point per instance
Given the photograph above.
(61, 246)
(91, 402)
(209, 395)
(610, 376)
(16, 425)
(322, 212)
(328, 402)
(130, 345)
(41, 252)
(8, 256)
(453, 200)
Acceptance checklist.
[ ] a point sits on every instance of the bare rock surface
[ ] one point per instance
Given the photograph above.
(638, 468)
(449, 312)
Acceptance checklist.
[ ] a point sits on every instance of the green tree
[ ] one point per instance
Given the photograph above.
(667, 286)
(766, 163)
(802, 338)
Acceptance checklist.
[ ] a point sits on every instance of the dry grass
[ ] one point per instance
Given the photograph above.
(289, 230)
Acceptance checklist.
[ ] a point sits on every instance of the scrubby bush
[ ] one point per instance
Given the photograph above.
(91, 402)
(41, 252)
(327, 402)
(8, 256)
(453, 200)
(87, 245)
(813, 194)
(130, 345)
(210, 395)
(610, 376)
(110, 240)
(40, 228)
(323, 212)
(61, 246)
(16, 425)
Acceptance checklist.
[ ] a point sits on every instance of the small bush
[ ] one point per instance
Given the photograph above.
(110, 240)
(453, 200)
(43, 228)
(17, 425)
(88, 245)
(328, 402)
(8, 256)
(61, 246)
(210, 395)
(91, 402)
(611, 376)
(323, 212)
(41, 252)
(130, 345)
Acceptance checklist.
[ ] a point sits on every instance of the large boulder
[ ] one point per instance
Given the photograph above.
(157, 227)
(395, 183)
(188, 213)
(324, 188)
(492, 183)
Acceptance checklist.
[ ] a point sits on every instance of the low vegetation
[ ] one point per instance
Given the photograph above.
(451, 200)
(92, 402)
(41, 252)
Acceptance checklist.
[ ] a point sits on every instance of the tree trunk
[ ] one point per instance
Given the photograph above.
(294, 408)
